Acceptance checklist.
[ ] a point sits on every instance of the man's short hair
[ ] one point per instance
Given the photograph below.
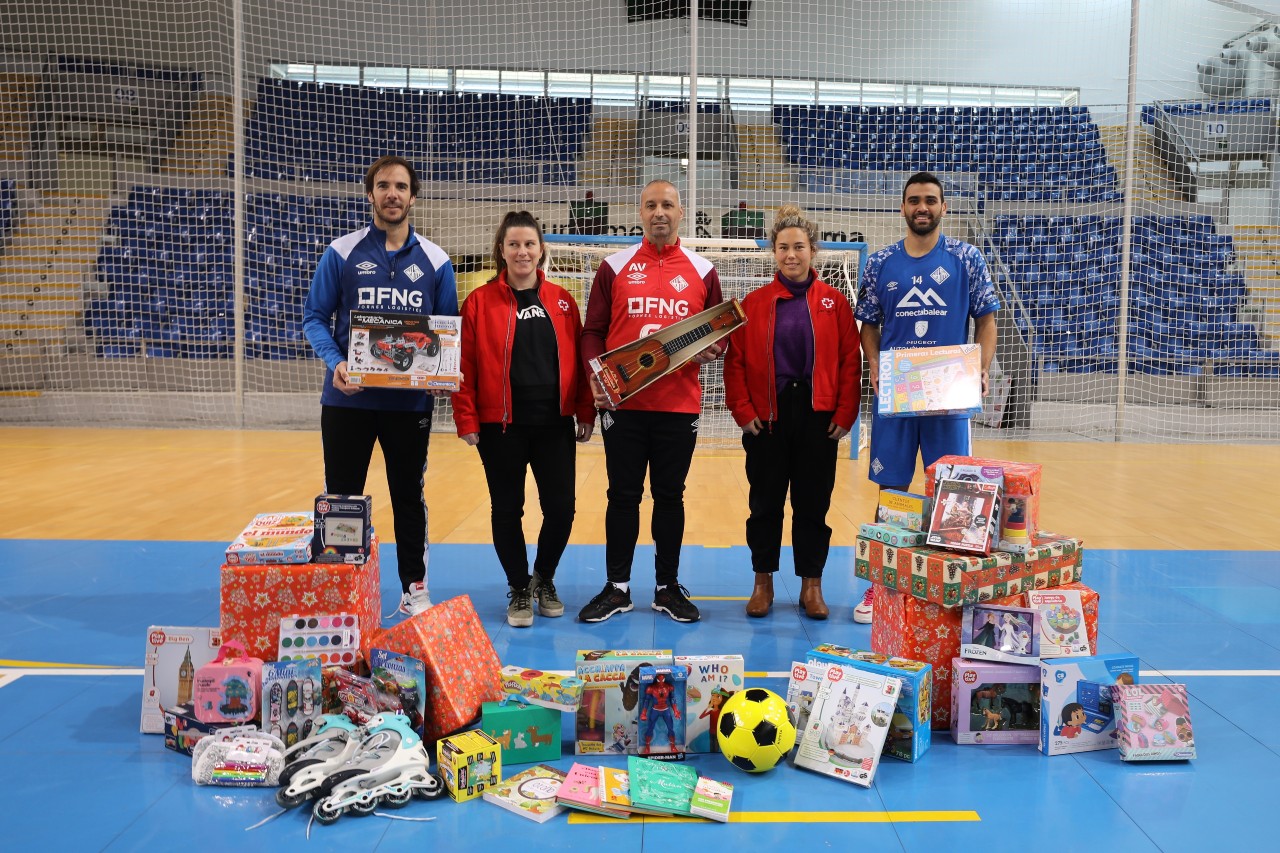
(924, 178)
(392, 160)
(663, 181)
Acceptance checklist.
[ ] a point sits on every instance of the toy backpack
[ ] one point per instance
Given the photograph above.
(227, 689)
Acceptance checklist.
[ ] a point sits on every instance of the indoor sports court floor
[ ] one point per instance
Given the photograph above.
(109, 531)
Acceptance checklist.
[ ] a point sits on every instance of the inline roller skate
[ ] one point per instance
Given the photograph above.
(313, 760)
(390, 767)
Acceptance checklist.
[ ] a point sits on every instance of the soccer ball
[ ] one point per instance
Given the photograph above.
(755, 731)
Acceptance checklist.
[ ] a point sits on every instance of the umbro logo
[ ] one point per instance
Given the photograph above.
(917, 299)
(939, 275)
(414, 272)
(366, 268)
(679, 283)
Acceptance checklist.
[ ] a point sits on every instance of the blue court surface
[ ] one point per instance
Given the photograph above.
(79, 776)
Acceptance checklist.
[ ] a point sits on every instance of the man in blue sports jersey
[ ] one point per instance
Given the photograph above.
(921, 292)
(385, 266)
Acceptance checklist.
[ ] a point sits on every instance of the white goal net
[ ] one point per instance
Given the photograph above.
(171, 173)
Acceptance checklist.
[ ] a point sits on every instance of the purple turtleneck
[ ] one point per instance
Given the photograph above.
(793, 334)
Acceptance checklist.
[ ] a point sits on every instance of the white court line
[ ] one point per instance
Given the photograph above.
(19, 671)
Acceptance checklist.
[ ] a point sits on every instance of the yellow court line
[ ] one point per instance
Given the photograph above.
(39, 664)
(719, 597)
(796, 817)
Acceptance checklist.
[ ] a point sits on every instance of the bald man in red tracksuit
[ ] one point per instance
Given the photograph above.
(637, 291)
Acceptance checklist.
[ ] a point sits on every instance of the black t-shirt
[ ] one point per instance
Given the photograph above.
(535, 363)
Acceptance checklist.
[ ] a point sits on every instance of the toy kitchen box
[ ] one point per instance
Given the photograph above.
(606, 718)
(415, 351)
(342, 529)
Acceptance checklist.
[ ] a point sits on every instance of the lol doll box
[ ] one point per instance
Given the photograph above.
(1153, 722)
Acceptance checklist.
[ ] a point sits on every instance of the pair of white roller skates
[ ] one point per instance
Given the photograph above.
(349, 768)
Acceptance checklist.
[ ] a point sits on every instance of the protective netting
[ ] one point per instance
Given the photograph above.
(1119, 174)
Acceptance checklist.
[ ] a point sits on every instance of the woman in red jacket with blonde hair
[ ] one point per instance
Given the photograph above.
(523, 385)
(791, 380)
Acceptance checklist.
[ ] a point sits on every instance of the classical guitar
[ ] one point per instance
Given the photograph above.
(627, 369)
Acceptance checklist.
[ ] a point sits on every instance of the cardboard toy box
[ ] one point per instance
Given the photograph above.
(1076, 709)
(966, 516)
(903, 509)
(712, 680)
(526, 733)
(606, 719)
(909, 732)
(182, 729)
(394, 350)
(891, 535)
(1000, 634)
(1020, 479)
(273, 537)
(849, 723)
(1153, 722)
(470, 762)
(291, 699)
(545, 689)
(922, 381)
(993, 703)
(343, 529)
(255, 598)
(951, 579)
(463, 670)
(660, 723)
(169, 670)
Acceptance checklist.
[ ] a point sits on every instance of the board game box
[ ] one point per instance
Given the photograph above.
(415, 351)
(921, 381)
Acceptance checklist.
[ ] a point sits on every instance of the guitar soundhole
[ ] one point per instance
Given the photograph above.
(647, 360)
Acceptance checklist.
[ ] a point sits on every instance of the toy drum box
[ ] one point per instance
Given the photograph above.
(227, 689)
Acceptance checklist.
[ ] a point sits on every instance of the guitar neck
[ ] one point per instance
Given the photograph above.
(676, 344)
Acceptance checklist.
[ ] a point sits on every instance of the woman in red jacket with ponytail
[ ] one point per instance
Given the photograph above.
(523, 384)
(792, 383)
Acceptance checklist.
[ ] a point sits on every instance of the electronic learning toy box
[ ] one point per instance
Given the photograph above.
(606, 719)
(994, 702)
(909, 734)
(1076, 710)
(849, 724)
(169, 670)
(394, 350)
(343, 529)
(712, 680)
(273, 537)
(930, 381)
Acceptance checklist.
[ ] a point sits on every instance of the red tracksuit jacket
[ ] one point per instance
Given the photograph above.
(750, 383)
(488, 334)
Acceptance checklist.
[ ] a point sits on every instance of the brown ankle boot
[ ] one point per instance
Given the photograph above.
(762, 595)
(811, 598)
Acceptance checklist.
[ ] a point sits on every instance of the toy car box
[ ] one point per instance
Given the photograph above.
(169, 670)
(470, 762)
(606, 719)
(526, 733)
(1076, 710)
(909, 733)
(712, 680)
(994, 703)
(273, 537)
(920, 381)
(399, 685)
(395, 350)
(849, 723)
(343, 529)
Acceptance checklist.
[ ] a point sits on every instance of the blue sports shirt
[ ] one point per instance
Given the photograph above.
(925, 302)
(357, 271)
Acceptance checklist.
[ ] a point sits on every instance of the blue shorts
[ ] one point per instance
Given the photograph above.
(895, 442)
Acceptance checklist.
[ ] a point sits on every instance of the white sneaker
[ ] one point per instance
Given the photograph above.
(415, 600)
(863, 612)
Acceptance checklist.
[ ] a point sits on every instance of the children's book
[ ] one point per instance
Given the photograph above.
(660, 787)
(530, 793)
(615, 789)
(711, 799)
(581, 790)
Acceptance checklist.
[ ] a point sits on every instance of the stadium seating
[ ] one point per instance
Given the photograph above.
(8, 207)
(1038, 154)
(1183, 303)
(166, 272)
(324, 132)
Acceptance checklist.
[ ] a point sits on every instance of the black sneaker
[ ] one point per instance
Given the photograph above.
(611, 600)
(673, 600)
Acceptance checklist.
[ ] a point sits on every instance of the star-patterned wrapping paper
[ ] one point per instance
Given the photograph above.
(953, 580)
(255, 598)
(907, 627)
(463, 670)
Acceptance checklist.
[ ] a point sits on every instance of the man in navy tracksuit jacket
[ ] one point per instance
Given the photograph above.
(386, 267)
